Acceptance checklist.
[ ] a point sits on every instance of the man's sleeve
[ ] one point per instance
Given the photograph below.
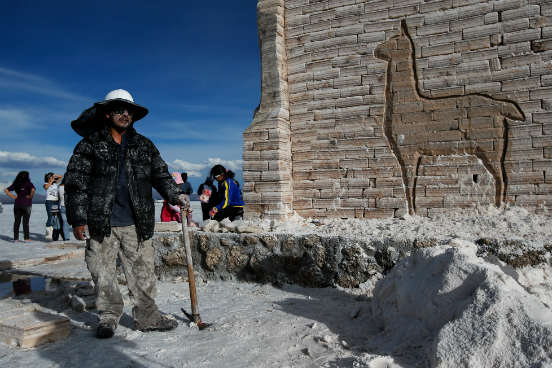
(77, 179)
(161, 179)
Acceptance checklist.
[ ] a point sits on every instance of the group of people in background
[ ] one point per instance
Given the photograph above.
(217, 202)
(56, 223)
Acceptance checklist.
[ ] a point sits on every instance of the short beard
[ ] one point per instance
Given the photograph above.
(120, 129)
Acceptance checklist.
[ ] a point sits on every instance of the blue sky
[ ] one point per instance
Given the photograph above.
(194, 65)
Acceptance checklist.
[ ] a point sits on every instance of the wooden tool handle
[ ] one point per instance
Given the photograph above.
(189, 261)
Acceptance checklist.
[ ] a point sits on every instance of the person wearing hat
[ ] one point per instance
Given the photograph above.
(108, 189)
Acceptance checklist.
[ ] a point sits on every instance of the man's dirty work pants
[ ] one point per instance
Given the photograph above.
(137, 260)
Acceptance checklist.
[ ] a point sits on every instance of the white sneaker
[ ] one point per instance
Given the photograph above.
(49, 233)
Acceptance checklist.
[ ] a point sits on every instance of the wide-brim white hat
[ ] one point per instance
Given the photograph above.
(91, 119)
(120, 96)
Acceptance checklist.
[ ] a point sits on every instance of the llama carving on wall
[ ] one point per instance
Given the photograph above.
(417, 126)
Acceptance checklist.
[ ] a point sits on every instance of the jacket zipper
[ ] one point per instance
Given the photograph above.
(131, 178)
(115, 193)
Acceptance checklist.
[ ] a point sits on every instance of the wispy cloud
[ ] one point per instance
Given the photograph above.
(215, 110)
(15, 118)
(12, 79)
(198, 130)
(26, 120)
(23, 160)
(201, 169)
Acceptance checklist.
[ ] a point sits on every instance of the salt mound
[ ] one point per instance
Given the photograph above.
(452, 308)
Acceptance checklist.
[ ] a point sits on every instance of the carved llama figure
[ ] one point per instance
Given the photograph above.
(415, 125)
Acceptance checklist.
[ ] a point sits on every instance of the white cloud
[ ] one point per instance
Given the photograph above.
(202, 169)
(193, 170)
(24, 160)
(185, 165)
(234, 165)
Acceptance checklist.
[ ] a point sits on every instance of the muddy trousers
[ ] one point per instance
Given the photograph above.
(137, 261)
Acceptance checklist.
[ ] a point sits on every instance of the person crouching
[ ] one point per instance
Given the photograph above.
(229, 195)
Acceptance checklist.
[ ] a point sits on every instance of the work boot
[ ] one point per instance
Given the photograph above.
(106, 329)
(164, 323)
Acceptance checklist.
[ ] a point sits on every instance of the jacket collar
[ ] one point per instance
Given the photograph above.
(104, 134)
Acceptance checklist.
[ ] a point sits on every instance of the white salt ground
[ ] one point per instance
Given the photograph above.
(442, 307)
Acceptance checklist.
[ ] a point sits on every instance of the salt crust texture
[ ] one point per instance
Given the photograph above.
(451, 308)
(510, 223)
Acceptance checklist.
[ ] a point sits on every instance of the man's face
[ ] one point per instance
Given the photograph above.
(120, 117)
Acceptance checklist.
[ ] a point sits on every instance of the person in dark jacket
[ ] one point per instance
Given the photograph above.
(108, 188)
(185, 185)
(229, 196)
(207, 193)
(22, 207)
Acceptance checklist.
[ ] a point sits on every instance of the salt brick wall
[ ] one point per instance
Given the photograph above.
(317, 146)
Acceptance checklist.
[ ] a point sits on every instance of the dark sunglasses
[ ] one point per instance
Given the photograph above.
(120, 110)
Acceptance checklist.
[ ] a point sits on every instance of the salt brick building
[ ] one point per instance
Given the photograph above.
(373, 109)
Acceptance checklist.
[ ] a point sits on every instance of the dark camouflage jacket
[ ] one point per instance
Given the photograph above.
(91, 182)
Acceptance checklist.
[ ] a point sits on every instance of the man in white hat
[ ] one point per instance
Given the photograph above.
(108, 188)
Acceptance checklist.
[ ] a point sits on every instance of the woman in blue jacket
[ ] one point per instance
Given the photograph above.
(230, 202)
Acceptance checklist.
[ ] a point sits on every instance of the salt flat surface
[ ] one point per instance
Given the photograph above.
(440, 307)
(255, 326)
